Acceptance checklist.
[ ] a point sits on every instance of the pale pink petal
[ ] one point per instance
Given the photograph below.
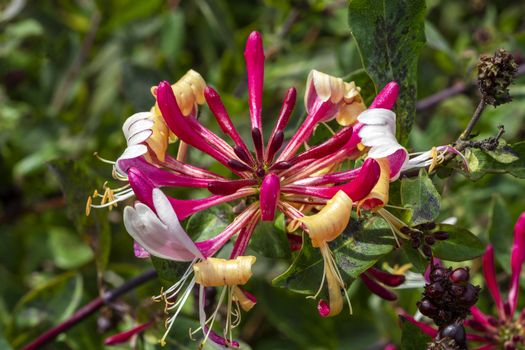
(167, 215)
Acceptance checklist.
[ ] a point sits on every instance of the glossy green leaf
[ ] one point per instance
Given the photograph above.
(390, 35)
(461, 244)
(77, 183)
(500, 231)
(269, 239)
(508, 159)
(355, 250)
(421, 196)
(413, 338)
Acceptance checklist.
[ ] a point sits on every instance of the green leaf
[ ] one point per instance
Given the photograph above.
(389, 35)
(421, 196)
(169, 271)
(412, 337)
(436, 41)
(210, 222)
(77, 183)
(297, 317)
(500, 231)
(506, 159)
(69, 251)
(355, 250)
(269, 239)
(50, 303)
(419, 262)
(461, 244)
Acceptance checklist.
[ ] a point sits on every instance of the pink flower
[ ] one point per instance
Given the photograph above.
(274, 182)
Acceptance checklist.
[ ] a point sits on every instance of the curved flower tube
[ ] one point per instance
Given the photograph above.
(322, 228)
(376, 280)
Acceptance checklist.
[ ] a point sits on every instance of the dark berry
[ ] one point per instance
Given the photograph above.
(416, 243)
(430, 240)
(435, 290)
(437, 273)
(427, 308)
(406, 230)
(427, 250)
(457, 290)
(454, 331)
(440, 235)
(427, 226)
(460, 275)
(470, 295)
(509, 345)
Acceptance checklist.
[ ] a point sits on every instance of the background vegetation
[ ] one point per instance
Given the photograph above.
(72, 71)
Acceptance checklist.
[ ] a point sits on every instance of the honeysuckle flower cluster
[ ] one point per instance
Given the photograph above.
(272, 174)
(506, 329)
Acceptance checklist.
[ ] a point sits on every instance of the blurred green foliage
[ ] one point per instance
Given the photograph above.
(72, 71)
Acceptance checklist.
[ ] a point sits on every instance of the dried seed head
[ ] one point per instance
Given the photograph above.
(495, 74)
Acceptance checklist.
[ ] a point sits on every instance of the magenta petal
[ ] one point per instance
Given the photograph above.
(219, 111)
(305, 131)
(387, 97)
(161, 177)
(390, 279)
(254, 56)
(139, 251)
(377, 289)
(428, 330)
(212, 245)
(226, 187)
(480, 317)
(330, 146)
(330, 178)
(490, 279)
(248, 295)
(516, 261)
(242, 241)
(125, 336)
(217, 339)
(323, 308)
(356, 189)
(361, 186)
(284, 117)
(296, 242)
(179, 124)
(187, 207)
(270, 190)
(142, 187)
